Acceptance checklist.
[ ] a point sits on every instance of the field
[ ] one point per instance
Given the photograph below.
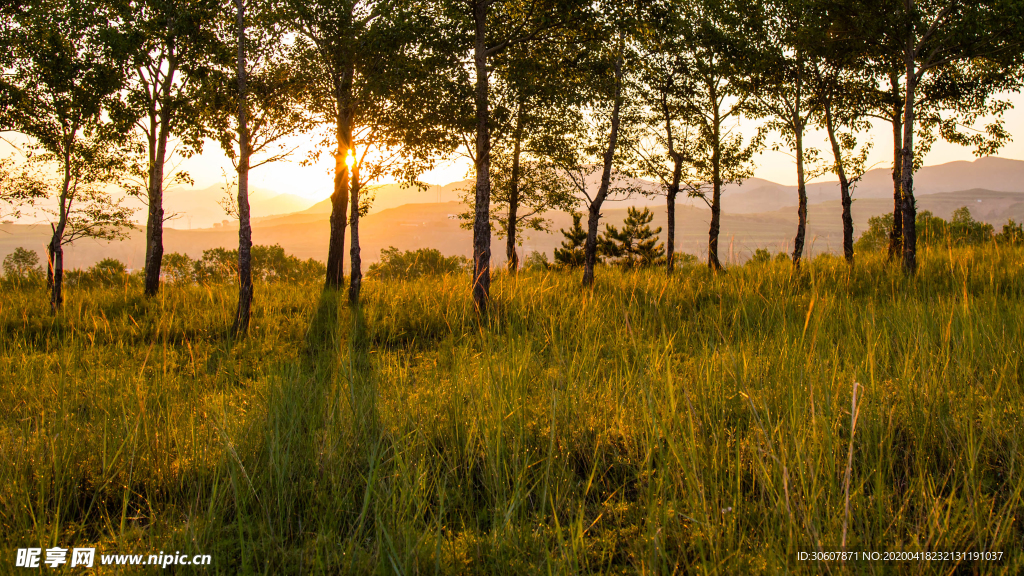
(696, 424)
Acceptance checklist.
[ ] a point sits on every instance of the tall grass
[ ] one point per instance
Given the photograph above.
(698, 423)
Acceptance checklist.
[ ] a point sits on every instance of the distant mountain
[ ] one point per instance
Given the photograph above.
(393, 195)
(988, 173)
(755, 195)
(191, 208)
(755, 215)
(436, 225)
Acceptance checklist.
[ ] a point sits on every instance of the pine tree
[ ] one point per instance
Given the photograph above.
(636, 245)
(571, 254)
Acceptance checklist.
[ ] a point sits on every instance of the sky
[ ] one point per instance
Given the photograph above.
(315, 182)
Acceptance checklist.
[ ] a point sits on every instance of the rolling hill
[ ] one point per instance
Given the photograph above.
(759, 214)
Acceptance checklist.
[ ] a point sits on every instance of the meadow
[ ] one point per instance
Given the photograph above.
(699, 423)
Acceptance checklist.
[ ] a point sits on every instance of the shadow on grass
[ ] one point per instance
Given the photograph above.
(306, 479)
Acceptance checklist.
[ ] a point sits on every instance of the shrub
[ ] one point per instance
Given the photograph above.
(22, 264)
(179, 268)
(962, 230)
(269, 264)
(876, 237)
(685, 259)
(217, 265)
(761, 256)
(415, 263)
(536, 261)
(1012, 234)
(106, 272)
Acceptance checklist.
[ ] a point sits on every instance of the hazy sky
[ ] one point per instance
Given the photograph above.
(315, 182)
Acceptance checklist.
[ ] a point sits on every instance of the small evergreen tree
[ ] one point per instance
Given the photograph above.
(571, 253)
(636, 245)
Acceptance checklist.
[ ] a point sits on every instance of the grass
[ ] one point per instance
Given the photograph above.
(694, 424)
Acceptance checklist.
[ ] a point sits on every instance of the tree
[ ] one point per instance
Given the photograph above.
(21, 263)
(394, 133)
(713, 93)
(261, 106)
(571, 254)
(636, 245)
(843, 87)
(328, 49)
(530, 93)
(589, 146)
(175, 49)
(68, 67)
(375, 71)
(16, 192)
(783, 85)
(484, 29)
(669, 133)
(959, 40)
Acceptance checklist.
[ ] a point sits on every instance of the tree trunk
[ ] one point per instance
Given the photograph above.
(673, 191)
(242, 314)
(671, 250)
(896, 232)
(343, 102)
(339, 199)
(160, 132)
(673, 187)
(56, 250)
(356, 277)
(716, 186)
(844, 181)
(56, 247)
(801, 191)
(155, 222)
(482, 216)
(908, 205)
(513, 197)
(594, 217)
(49, 264)
(801, 184)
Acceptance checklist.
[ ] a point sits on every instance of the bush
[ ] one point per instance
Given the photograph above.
(415, 263)
(106, 272)
(217, 265)
(761, 256)
(269, 264)
(962, 230)
(179, 268)
(876, 237)
(685, 259)
(536, 261)
(22, 264)
(1012, 234)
